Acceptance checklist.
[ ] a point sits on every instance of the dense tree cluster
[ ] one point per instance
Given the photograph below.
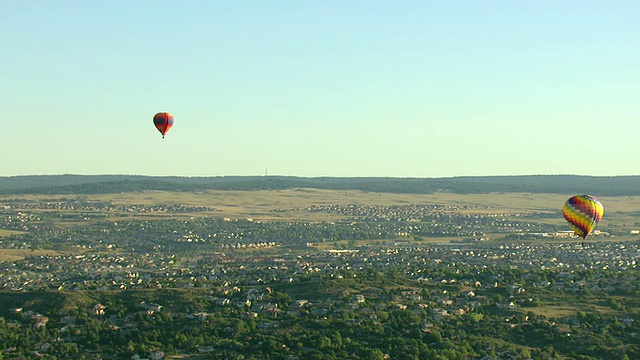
(194, 321)
(84, 184)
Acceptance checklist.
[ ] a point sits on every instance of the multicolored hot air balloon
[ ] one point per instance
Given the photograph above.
(163, 122)
(583, 212)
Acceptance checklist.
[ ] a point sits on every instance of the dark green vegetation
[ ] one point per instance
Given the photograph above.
(348, 314)
(563, 184)
(83, 277)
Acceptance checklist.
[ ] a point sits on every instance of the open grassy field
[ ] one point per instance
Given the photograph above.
(19, 254)
(4, 233)
(292, 204)
(556, 311)
(560, 310)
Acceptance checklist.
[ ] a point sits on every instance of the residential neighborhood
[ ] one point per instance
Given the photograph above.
(367, 268)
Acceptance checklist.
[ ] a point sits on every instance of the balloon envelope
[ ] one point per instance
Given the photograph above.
(163, 122)
(583, 212)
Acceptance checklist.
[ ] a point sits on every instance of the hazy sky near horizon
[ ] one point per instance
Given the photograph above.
(320, 88)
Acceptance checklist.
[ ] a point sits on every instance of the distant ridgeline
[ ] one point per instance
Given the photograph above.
(102, 184)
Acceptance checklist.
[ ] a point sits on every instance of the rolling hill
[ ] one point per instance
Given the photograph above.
(102, 184)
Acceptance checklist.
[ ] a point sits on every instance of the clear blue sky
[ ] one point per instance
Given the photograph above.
(320, 88)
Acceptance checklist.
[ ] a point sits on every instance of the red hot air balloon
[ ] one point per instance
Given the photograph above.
(163, 122)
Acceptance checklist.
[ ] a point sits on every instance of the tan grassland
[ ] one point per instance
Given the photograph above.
(556, 311)
(563, 310)
(292, 204)
(20, 254)
(4, 232)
